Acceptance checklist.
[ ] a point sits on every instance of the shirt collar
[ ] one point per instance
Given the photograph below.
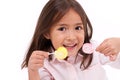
(70, 59)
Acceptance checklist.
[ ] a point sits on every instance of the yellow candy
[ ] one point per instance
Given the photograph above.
(61, 53)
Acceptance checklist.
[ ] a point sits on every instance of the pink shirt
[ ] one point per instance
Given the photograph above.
(68, 70)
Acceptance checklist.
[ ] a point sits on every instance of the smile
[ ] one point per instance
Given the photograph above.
(70, 47)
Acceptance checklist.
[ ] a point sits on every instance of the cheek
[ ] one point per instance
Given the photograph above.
(81, 40)
(57, 41)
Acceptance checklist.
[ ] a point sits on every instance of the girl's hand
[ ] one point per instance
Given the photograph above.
(36, 60)
(110, 47)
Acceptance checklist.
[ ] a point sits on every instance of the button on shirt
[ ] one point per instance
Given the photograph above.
(70, 69)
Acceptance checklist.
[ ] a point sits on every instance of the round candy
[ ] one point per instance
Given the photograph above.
(61, 53)
(88, 48)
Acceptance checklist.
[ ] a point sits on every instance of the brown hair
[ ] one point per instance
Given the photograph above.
(52, 12)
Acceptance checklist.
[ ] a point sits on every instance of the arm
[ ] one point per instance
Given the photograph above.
(36, 61)
(33, 75)
(110, 47)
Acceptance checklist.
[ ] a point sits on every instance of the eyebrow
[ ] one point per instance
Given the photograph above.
(62, 24)
(79, 23)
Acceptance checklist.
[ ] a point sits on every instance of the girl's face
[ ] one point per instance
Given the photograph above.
(68, 32)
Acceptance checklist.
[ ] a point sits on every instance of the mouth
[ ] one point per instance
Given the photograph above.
(70, 46)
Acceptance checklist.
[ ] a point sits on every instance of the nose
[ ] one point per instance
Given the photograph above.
(71, 35)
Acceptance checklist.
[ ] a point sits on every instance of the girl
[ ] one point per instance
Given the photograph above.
(63, 23)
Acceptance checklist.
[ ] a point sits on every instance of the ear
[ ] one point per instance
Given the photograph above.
(47, 36)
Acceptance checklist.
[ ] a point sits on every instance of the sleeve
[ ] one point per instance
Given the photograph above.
(45, 75)
(106, 60)
(116, 63)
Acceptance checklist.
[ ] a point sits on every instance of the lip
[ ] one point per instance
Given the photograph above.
(70, 47)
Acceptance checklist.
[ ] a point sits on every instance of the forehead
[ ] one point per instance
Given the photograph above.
(71, 16)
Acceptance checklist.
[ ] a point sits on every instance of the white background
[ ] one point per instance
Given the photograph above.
(18, 20)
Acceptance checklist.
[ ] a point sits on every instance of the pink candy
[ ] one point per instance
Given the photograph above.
(88, 48)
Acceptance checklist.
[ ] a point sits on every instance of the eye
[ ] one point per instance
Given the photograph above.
(78, 28)
(62, 29)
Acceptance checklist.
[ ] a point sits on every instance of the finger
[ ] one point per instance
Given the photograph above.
(41, 53)
(113, 57)
(35, 66)
(35, 61)
(34, 57)
(101, 47)
(112, 52)
(107, 51)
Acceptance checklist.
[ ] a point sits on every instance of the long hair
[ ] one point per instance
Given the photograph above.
(52, 12)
